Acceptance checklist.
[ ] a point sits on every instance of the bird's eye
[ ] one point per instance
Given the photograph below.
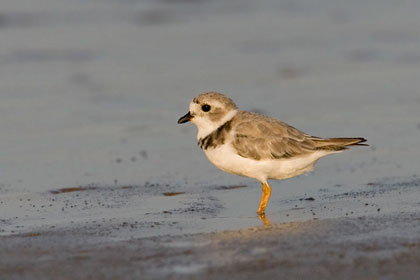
(205, 108)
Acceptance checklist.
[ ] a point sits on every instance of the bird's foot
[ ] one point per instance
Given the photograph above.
(266, 222)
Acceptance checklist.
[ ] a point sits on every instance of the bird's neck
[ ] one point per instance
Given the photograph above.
(206, 129)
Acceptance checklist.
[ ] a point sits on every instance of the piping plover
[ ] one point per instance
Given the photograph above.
(252, 145)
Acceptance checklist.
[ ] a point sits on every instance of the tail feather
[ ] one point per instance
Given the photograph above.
(338, 143)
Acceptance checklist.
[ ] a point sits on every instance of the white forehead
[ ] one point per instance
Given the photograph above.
(214, 103)
(214, 99)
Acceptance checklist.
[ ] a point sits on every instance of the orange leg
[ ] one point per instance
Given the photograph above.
(266, 192)
(266, 222)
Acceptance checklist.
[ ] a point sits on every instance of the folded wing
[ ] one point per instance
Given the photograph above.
(261, 138)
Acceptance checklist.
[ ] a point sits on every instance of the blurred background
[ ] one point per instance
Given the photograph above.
(90, 90)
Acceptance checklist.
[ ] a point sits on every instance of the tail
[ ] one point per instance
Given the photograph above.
(337, 144)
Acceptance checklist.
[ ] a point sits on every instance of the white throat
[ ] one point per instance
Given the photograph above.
(205, 127)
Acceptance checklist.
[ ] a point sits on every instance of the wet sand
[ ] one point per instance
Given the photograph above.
(374, 247)
(98, 181)
(371, 234)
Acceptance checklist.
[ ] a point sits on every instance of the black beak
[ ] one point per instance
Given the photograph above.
(186, 118)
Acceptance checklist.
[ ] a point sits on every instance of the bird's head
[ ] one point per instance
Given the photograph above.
(208, 111)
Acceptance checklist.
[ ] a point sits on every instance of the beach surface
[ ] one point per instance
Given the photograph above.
(97, 181)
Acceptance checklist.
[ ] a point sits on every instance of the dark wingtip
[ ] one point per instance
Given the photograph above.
(360, 143)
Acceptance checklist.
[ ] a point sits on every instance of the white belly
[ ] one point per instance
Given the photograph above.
(225, 158)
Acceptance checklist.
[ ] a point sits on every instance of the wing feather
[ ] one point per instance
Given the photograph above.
(259, 137)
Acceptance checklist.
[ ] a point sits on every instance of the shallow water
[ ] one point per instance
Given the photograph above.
(90, 92)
